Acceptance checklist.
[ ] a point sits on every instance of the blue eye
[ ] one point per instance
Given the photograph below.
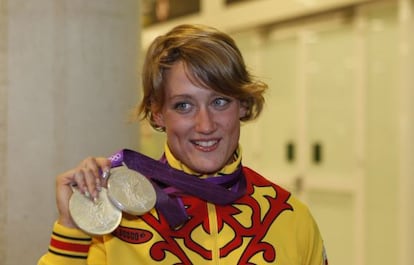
(182, 106)
(221, 102)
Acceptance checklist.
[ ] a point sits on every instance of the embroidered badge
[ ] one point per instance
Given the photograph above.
(132, 235)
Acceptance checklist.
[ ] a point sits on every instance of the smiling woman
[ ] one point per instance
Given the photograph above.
(202, 126)
(209, 208)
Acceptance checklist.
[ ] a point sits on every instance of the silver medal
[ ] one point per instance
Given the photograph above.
(130, 191)
(97, 218)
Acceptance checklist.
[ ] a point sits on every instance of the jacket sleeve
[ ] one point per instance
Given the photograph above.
(67, 246)
(313, 242)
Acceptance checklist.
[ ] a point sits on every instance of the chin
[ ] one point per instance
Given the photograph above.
(205, 169)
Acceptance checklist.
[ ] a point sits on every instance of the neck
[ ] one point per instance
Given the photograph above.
(227, 169)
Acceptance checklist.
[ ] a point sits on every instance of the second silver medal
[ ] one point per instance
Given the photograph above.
(130, 191)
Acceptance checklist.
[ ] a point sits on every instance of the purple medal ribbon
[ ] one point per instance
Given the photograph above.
(220, 190)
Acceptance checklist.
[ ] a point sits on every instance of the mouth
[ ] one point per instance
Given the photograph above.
(207, 145)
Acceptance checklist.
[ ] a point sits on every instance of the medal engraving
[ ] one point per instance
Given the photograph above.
(96, 218)
(130, 191)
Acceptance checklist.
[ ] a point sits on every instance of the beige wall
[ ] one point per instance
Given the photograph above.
(379, 213)
(68, 76)
(3, 128)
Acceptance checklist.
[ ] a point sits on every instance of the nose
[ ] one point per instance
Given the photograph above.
(205, 122)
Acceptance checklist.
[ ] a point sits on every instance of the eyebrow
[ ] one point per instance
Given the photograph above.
(184, 96)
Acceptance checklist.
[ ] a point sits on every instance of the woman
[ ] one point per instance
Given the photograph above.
(197, 90)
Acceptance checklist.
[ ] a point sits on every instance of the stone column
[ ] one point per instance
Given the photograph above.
(72, 76)
(3, 128)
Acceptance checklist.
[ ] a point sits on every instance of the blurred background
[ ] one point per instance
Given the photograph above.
(337, 128)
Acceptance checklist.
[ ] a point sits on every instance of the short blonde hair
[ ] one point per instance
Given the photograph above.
(212, 60)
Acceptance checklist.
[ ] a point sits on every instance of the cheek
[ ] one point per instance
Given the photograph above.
(232, 126)
(236, 130)
(177, 125)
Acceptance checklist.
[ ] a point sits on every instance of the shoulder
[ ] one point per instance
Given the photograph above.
(258, 182)
(256, 178)
(290, 223)
(258, 185)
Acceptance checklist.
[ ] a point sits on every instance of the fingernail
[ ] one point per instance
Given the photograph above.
(105, 174)
(98, 185)
(87, 194)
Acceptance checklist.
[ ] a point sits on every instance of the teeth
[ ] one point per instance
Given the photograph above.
(206, 143)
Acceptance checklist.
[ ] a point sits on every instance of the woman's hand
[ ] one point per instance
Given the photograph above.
(87, 177)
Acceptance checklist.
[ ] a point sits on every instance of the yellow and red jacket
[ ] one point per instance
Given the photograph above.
(265, 226)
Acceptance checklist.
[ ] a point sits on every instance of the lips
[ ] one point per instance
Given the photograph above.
(206, 145)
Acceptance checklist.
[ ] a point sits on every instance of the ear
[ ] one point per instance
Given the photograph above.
(158, 119)
(243, 109)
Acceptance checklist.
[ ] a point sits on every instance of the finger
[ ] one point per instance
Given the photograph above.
(105, 165)
(79, 181)
(92, 166)
(103, 181)
(89, 175)
(90, 178)
(97, 164)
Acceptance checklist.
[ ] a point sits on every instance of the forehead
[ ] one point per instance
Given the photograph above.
(179, 78)
(180, 85)
(177, 73)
